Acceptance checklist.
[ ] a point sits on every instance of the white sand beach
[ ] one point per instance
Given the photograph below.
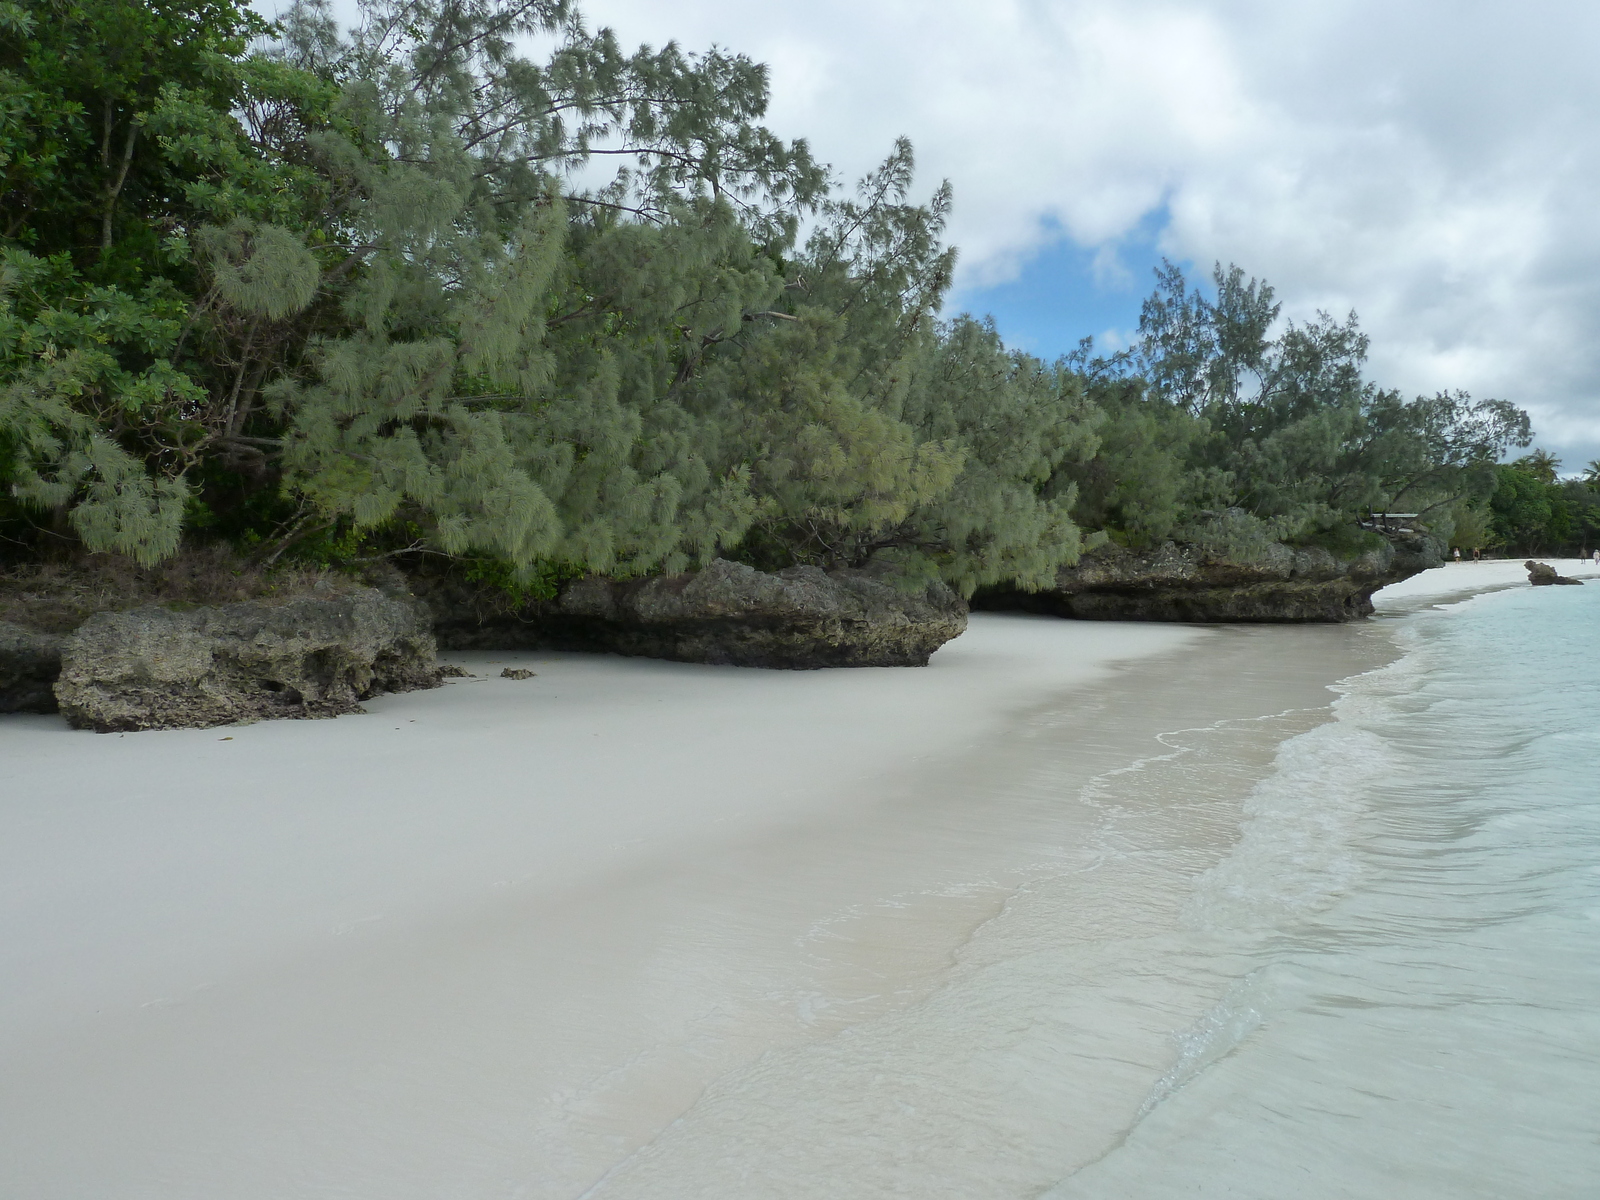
(633, 927)
(1458, 580)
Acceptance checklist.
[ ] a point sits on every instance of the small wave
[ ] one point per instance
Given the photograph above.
(1297, 852)
(1414, 889)
(1215, 1035)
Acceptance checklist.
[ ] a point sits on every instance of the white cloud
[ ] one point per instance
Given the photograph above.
(1433, 167)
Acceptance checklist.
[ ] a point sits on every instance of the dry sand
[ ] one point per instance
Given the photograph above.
(1455, 581)
(494, 940)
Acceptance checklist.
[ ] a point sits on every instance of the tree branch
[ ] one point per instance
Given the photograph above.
(113, 190)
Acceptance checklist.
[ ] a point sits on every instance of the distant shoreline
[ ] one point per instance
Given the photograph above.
(1460, 580)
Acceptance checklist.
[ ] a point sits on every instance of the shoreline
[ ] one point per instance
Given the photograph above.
(546, 914)
(1457, 581)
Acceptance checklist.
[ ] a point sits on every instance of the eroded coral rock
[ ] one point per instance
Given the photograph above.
(1177, 582)
(799, 618)
(29, 664)
(1543, 575)
(802, 617)
(160, 667)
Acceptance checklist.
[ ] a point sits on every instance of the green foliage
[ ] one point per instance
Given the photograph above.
(258, 269)
(336, 293)
(1137, 485)
(1227, 429)
(1541, 465)
(1343, 539)
(1522, 508)
(82, 366)
(1582, 503)
(882, 435)
(79, 80)
(520, 587)
(1471, 526)
(1532, 512)
(1016, 421)
(118, 381)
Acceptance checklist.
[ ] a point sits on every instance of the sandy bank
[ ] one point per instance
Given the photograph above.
(1456, 581)
(490, 941)
(261, 838)
(218, 940)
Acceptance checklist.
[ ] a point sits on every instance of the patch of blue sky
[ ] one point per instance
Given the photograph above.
(1067, 291)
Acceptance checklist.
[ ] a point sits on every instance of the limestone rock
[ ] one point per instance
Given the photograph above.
(29, 664)
(798, 618)
(161, 667)
(1177, 582)
(1543, 575)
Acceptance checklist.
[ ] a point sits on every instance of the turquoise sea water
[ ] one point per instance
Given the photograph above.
(1205, 928)
(1417, 898)
(1304, 954)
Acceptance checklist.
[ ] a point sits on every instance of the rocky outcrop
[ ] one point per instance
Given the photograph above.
(164, 667)
(799, 618)
(29, 664)
(1178, 582)
(1543, 575)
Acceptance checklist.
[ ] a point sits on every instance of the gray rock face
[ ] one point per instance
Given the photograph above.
(1186, 583)
(159, 667)
(1543, 575)
(29, 664)
(797, 619)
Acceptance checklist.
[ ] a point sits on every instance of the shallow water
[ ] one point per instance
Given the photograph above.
(895, 1044)
(1216, 924)
(526, 957)
(1299, 957)
(1418, 1017)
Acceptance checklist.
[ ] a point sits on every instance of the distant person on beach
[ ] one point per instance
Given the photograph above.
(1597, 560)
(1477, 554)
(1458, 553)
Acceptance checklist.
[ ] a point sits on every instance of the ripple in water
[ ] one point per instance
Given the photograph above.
(1381, 983)
(1424, 875)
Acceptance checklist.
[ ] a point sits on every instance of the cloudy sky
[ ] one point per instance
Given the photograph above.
(1434, 167)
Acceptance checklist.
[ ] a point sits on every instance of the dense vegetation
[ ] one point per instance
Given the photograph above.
(332, 294)
(1533, 511)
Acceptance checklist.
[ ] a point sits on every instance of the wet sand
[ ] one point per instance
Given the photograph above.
(630, 927)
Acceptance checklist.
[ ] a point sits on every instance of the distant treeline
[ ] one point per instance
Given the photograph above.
(1533, 511)
(471, 279)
